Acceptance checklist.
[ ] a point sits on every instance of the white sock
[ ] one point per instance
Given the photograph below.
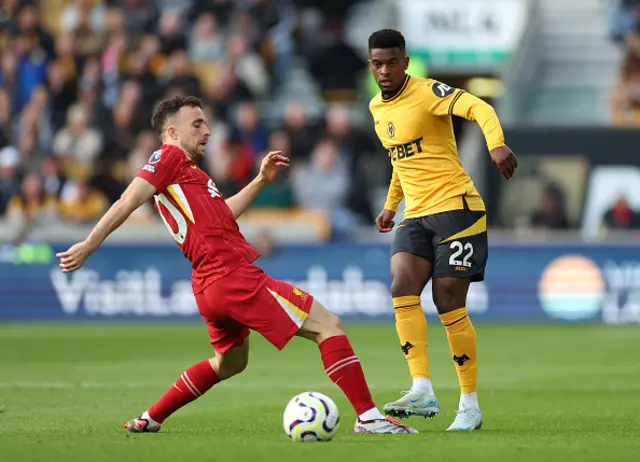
(423, 385)
(145, 415)
(371, 414)
(469, 401)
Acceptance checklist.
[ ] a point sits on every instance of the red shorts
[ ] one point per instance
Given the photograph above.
(250, 299)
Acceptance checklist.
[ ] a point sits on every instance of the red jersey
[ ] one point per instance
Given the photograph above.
(197, 216)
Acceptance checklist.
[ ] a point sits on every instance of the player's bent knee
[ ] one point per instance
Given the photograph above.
(321, 324)
(231, 363)
(226, 368)
(450, 293)
(403, 285)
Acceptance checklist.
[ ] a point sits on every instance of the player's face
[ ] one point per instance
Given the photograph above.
(388, 66)
(192, 130)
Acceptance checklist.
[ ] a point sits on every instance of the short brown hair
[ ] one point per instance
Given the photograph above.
(170, 107)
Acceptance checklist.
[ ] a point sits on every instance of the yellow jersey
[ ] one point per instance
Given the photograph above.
(416, 129)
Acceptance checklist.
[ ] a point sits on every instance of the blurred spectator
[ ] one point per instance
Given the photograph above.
(88, 41)
(206, 41)
(8, 72)
(248, 66)
(221, 9)
(171, 36)
(621, 216)
(5, 117)
(34, 130)
(278, 193)
(249, 133)
(626, 95)
(78, 144)
(32, 206)
(84, 11)
(9, 181)
(228, 89)
(323, 184)
(81, 203)
(274, 22)
(339, 69)
(111, 61)
(140, 16)
(301, 133)
(27, 24)
(31, 68)
(66, 57)
(62, 94)
(181, 74)
(358, 149)
(551, 214)
(53, 179)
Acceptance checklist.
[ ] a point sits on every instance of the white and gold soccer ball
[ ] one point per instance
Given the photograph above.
(311, 416)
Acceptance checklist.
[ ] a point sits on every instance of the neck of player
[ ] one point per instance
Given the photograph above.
(390, 94)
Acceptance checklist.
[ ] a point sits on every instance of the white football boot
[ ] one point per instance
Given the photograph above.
(382, 426)
(466, 420)
(412, 402)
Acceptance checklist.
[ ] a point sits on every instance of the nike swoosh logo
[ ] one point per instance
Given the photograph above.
(413, 401)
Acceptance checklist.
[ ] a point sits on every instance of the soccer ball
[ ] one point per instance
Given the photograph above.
(311, 416)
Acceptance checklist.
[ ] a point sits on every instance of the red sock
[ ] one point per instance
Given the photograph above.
(192, 384)
(343, 367)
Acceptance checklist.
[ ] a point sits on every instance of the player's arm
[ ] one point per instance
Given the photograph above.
(444, 100)
(136, 194)
(270, 165)
(395, 194)
(385, 222)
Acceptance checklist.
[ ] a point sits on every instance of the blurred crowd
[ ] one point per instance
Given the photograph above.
(625, 30)
(79, 80)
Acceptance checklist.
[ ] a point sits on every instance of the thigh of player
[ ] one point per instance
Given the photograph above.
(225, 333)
(460, 242)
(253, 300)
(412, 258)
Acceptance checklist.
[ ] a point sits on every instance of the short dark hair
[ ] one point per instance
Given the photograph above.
(387, 38)
(170, 107)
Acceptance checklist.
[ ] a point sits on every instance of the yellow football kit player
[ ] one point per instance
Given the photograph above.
(444, 231)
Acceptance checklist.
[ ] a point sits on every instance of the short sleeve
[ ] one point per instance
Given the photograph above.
(440, 98)
(162, 168)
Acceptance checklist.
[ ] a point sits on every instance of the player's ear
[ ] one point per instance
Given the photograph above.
(171, 132)
(406, 62)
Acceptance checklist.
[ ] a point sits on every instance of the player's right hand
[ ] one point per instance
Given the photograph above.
(385, 222)
(505, 160)
(75, 257)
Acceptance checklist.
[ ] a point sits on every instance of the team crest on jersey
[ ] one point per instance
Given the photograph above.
(391, 129)
(155, 157)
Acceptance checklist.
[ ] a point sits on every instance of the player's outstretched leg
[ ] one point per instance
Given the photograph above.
(449, 295)
(192, 384)
(343, 368)
(409, 274)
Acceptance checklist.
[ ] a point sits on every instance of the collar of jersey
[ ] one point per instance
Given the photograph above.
(397, 95)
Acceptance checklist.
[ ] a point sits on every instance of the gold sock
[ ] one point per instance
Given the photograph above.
(462, 341)
(411, 325)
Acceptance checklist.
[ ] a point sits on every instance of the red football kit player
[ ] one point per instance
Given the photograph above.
(233, 295)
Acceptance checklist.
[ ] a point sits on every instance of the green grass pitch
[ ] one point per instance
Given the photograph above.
(548, 393)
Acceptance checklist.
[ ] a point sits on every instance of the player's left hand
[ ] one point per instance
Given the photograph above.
(273, 161)
(75, 257)
(505, 160)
